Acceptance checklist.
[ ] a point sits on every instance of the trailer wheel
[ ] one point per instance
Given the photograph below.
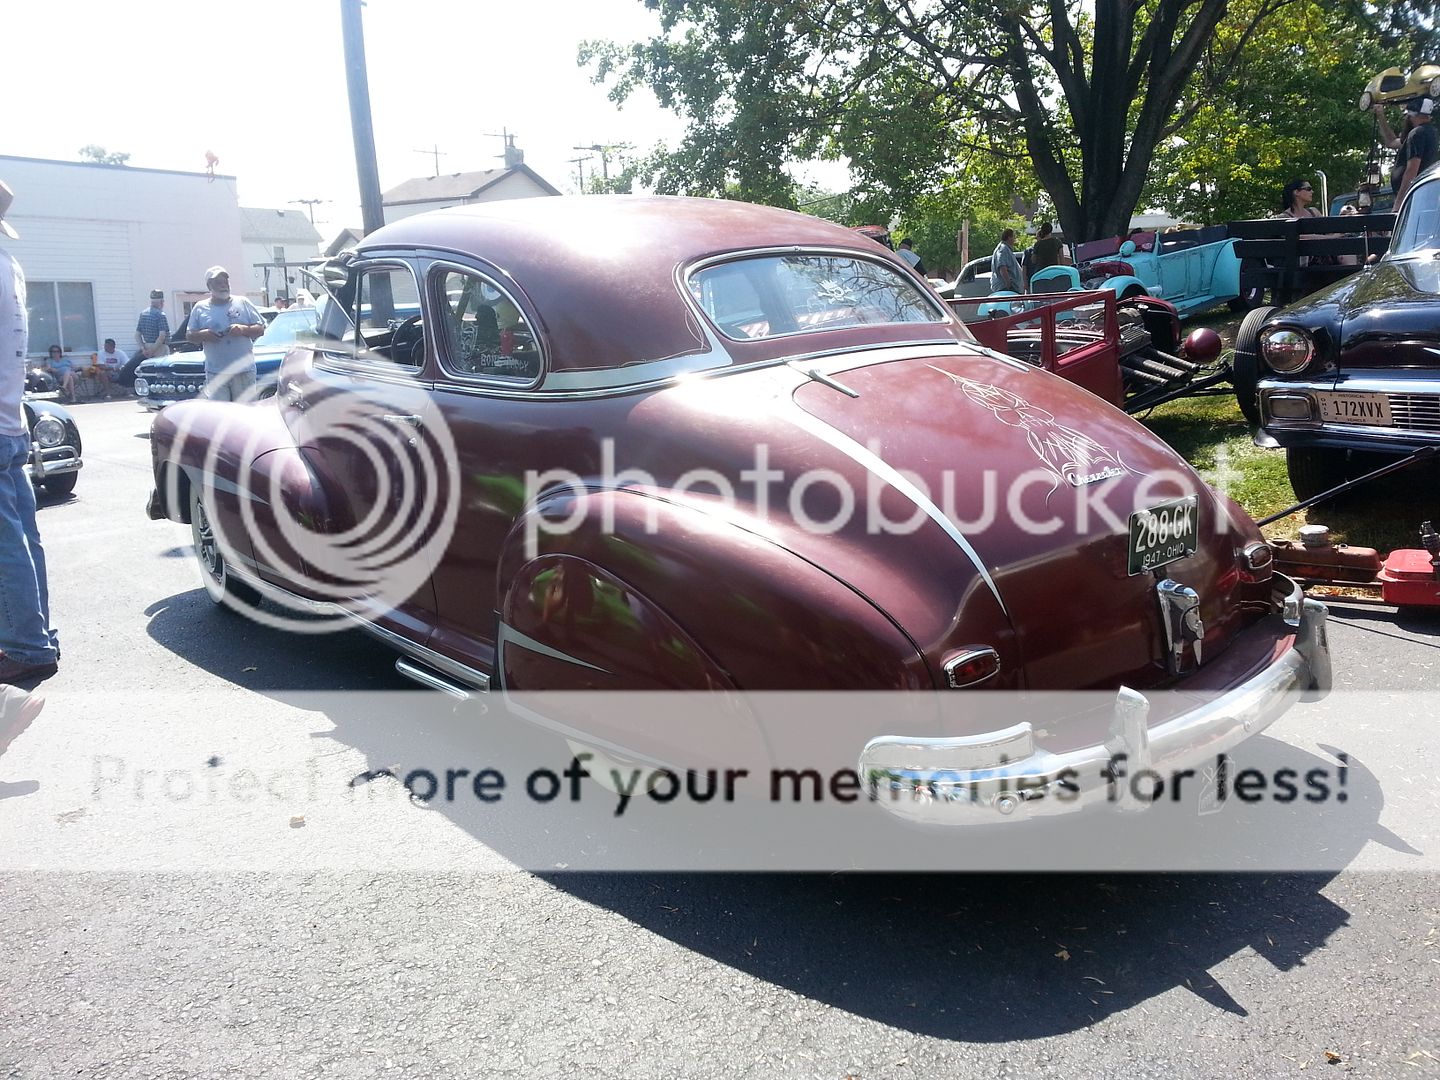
(1245, 364)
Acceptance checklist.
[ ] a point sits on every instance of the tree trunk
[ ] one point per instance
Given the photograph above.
(1114, 158)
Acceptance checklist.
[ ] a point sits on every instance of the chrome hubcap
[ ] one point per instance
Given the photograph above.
(205, 545)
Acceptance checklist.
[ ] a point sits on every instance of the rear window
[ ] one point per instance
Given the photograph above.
(774, 295)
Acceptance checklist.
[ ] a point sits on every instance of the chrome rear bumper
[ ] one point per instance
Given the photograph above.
(1002, 776)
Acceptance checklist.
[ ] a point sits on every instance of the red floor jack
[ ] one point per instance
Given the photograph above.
(1407, 577)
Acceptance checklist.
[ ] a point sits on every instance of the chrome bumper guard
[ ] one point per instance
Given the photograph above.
(51, 461)
(1002, 776)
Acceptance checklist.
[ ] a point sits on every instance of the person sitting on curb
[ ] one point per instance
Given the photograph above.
(63, 368)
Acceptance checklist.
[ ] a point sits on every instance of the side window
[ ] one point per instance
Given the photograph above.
(377, 319)
(485, 334)
(386, 314)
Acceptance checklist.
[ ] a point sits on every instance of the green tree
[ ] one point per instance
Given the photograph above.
(1079, 94)
(100, 156)
(1290, 111)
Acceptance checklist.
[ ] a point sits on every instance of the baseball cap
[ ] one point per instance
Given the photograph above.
(157, 294)
(214, 272)
(1424, 106)
(6, 198)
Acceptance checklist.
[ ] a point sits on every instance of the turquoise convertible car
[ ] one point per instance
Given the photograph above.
(1194, 269)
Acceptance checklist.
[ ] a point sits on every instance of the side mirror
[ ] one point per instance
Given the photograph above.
(1372, 260)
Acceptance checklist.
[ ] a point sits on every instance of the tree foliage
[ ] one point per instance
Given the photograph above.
(1076, 95)
(1289, 112)
(100, 156)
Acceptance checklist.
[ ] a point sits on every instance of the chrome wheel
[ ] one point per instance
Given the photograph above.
(219, 585)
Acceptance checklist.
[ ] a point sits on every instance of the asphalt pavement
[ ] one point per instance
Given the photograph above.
(162, 918)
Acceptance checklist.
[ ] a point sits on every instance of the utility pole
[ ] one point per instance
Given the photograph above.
(358, 80)
(435, 153)
(604, 150)
(310, 204)
(579, 163)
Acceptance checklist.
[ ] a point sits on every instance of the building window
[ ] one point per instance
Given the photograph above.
(279, 255)
(61, 313)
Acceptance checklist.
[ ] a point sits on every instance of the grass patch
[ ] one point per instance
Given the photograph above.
(1210, 433)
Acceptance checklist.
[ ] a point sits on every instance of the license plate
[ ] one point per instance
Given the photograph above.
(1370, 409)
(1163, 534)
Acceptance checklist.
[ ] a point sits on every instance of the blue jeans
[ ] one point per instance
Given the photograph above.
(25, 632)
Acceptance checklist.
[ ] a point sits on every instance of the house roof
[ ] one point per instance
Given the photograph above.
(347, 238)
(465, 185)
(260, 224)
(126, 168)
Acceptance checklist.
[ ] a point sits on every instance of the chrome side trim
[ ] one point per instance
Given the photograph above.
(508, 635)
(868, 459)
(426, 677)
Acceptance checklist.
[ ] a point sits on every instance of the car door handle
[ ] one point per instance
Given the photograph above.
(409, 421)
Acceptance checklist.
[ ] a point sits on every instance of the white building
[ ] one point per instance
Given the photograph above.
(95, 239)
(416, 196)
(276, 244)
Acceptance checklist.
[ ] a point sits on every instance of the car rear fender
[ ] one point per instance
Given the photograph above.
(1121, 283)
(625, 589)
(1225, 275)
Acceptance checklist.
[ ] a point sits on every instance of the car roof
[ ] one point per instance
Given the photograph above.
(605, 272)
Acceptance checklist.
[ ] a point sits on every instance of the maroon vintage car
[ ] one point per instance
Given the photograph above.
(661, 443)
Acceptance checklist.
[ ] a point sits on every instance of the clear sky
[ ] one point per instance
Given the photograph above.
(261, 83)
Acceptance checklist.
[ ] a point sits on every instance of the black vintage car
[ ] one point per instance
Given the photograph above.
(1353, 371)
(54, 463)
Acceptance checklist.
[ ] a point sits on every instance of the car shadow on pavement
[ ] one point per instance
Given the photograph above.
(261, 658)
(983, 957)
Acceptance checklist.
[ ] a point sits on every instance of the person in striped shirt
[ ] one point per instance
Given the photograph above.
(152, 331)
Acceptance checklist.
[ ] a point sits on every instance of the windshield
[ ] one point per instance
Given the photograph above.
(771, 295)
(1419, 225)
(286, 325)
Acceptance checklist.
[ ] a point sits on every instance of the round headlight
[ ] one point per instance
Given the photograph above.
(1435, 86)
(1366, 101)
(49, 432)
(142, 387)
(1286, 350)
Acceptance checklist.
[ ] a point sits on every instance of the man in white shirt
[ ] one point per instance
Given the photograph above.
(110, 361)
(29, 647)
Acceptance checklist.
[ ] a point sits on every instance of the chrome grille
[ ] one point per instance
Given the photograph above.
(1419, 412)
